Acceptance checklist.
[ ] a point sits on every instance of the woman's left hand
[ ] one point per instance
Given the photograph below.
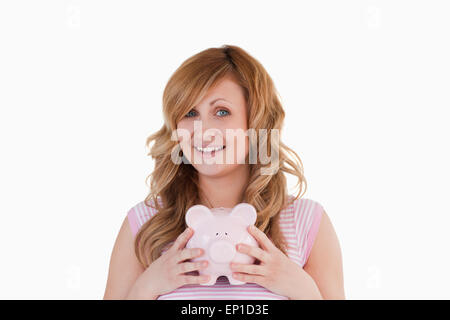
(276, 272)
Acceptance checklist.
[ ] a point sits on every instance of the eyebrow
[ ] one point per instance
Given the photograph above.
(214, 101)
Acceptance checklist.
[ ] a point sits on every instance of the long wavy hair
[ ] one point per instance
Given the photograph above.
(174, 187)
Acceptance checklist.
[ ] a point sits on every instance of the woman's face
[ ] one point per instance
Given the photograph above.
(218, 121)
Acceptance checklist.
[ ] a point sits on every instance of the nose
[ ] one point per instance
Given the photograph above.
(205, 133)
(222, 251)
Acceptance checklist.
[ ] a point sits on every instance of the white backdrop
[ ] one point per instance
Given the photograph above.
(365, 86)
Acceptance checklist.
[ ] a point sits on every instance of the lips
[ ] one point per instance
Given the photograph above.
(209, 151)
(209, 148)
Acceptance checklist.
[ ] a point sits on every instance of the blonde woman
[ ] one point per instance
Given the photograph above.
(224, 90)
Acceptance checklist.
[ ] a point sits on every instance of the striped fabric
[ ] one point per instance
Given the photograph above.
(299, 223)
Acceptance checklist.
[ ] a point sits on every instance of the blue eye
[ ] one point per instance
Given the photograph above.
(224, 111)
(187, 115)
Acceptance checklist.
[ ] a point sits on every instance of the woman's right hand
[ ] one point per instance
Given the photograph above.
(166, 273)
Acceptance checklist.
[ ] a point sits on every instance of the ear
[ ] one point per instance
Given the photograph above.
(196, 214)
(246, 212)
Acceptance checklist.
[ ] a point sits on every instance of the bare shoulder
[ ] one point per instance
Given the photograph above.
(124, 267)
(325, 261)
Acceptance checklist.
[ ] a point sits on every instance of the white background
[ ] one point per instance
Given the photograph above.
(365, 86)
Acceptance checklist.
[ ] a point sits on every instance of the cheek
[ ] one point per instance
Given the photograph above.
(184, 133)
(238, 144)
(238, 126)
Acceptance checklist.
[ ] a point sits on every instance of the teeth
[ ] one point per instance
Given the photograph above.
(208, 149)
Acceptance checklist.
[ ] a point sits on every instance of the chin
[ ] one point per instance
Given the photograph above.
(216, 170)
(212, 169)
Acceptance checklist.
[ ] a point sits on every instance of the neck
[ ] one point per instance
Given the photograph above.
(224, 191)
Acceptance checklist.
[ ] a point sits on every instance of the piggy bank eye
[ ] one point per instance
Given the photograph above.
(217, 233)
(226, 233)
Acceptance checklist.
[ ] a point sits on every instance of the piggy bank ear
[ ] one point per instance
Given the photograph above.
(197, 214)
(246, 212)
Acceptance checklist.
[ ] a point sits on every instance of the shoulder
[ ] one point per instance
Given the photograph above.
(140, 213)
(324, 260)
(124, 266)
(305, 211)
(305, 214)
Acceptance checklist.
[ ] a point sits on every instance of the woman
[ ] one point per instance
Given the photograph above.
(197, 161)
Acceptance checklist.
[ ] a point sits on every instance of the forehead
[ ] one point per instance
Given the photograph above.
(226, 88)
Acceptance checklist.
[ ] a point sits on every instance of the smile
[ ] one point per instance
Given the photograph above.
(209, 149)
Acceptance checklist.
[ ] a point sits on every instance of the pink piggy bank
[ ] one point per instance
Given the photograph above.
(217, 231)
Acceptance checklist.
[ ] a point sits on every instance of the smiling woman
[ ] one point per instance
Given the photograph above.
(217, 123)
(210, 104)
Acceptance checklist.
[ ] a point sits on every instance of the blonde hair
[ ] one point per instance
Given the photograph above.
(174, 187)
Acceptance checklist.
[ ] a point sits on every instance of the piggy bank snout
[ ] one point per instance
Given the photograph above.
(222, 251)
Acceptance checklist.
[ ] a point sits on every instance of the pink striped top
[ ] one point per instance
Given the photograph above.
(299, 223)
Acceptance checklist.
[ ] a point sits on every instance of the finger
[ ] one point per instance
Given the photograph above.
(258, 253)
(249, 278)
(182, 239)
(262, 238)
(189, 253)
(248, 268)
(191, 266)
(185, 279)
